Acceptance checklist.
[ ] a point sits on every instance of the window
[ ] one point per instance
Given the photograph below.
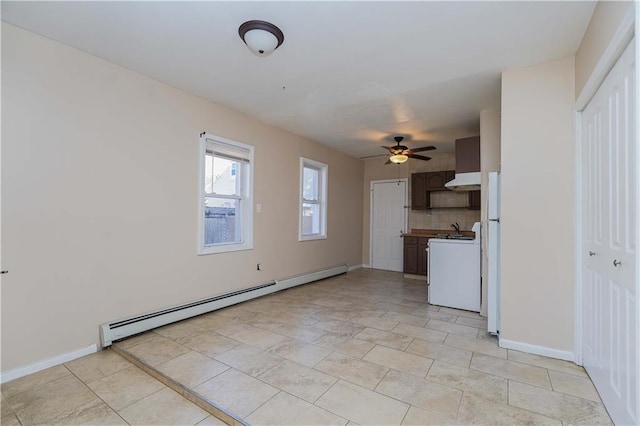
(313, 200)
(226, 220)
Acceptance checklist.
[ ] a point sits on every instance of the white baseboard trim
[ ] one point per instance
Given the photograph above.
(44, 364)
(536, 350)
(366, 265)
(354, 267)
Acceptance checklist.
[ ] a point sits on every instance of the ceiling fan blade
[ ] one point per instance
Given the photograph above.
(424, 148)
(388, 162)
(387, 147)
(419, 157)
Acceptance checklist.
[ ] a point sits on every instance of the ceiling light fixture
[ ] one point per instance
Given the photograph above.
(398, 158)
(261, 37)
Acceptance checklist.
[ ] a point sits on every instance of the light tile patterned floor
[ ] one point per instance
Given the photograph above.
(359, 348)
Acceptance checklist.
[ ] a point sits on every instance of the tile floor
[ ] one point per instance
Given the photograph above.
(361, 348)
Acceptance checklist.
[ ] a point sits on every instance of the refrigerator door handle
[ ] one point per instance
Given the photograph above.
(427, 250)
(494, 220)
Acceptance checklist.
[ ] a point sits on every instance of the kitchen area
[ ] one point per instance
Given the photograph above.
(445, 236)
(442, 246)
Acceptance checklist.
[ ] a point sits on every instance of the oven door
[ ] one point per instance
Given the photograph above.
(454, 274)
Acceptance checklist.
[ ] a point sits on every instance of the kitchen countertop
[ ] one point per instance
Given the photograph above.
(433, 233)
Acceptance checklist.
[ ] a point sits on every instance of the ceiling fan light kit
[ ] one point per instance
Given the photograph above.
(261, 37)
(401, 153)
(398, 158)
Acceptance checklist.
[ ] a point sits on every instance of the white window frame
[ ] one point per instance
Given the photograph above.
(323, 170)
(245, 197)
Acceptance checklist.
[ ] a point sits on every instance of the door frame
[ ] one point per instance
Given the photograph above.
(406, 210)
(630, 24)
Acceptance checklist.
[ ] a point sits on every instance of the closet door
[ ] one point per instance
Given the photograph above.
(610, 302)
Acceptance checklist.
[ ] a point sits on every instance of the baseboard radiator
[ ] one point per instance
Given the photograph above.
(311, 276)
(110, 332)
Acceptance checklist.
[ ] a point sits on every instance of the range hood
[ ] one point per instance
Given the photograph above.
(468, 176)
(465, 182)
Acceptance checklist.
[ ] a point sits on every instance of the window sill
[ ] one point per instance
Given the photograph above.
(312, 238)
(224, 248)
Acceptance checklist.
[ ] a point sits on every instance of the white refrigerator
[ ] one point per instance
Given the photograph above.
(493, 253)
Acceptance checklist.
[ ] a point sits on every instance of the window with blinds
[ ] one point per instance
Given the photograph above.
(313, 200)
(226, 222)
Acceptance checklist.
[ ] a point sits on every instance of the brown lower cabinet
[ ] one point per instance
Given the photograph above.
(415, 255)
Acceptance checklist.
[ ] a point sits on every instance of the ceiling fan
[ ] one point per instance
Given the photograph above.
(401, 153)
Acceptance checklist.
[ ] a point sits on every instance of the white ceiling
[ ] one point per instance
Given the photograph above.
(349, 74)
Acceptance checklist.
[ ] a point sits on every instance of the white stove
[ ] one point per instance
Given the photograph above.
(453, 272)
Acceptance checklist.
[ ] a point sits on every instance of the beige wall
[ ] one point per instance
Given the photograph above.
(489, 162)
(537, 205)
(100, 197)
(605, 21)
(375, 169)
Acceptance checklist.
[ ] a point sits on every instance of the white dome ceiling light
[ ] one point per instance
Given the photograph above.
(261, 37)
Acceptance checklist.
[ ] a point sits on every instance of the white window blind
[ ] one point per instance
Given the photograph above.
(225, 204)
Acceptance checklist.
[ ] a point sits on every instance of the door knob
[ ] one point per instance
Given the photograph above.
(616, 262)
(592, 253)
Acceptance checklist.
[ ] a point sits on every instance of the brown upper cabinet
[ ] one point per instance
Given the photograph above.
(468, 155)
(424, 183)
(436, 181)
(419, 191)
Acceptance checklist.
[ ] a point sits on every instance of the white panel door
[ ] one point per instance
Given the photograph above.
(610, 303)
(388, 222)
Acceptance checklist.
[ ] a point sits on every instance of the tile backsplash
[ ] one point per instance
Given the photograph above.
(443, 218)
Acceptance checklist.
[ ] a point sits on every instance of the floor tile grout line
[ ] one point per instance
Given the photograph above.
(40, 385)
(37, 386)
(98, 396)
(530, 365)
(523, 382)
(12, 412)
(510, 380)
(144, 397)
(133, 402)
(460, 406)
(585, 376)
(405, 413)
(537, 413)
(349, 381)
(258, 407)
(179, 388)
(560, 393)
(409, 403)
(327, 409)
(327, 390)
